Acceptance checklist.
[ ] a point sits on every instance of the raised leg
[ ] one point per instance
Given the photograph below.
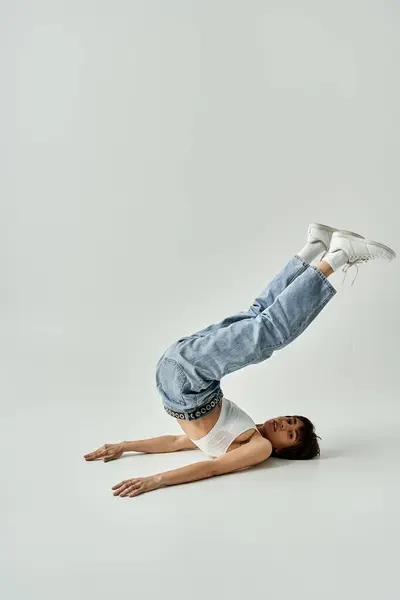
(191, 373)
(279, 283)
(247, 341)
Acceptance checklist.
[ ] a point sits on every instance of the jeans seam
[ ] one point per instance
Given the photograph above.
(295, 275)
(319, 307)
(183, 375)
(305, 263)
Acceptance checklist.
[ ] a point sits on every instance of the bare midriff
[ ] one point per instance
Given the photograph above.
(200, 427)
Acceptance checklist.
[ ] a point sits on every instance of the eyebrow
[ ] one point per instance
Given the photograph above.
(296, 430)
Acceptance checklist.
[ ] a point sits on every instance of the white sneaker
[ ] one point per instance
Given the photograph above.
(318, 241)
(323, 233)
(348, 250)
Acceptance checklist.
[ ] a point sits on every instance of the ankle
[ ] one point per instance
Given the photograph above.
(325, 268)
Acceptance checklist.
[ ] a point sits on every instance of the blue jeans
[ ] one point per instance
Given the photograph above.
(188, 374)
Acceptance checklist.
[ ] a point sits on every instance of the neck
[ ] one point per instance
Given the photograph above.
(261, 430)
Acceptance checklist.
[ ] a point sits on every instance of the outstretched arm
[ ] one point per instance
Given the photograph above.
(245, 456)
(163, 443)
(155, 445)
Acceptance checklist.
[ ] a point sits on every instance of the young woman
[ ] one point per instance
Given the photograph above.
(189, 373)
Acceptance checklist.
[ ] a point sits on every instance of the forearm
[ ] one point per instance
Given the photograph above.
(194, 472)
(163, 443)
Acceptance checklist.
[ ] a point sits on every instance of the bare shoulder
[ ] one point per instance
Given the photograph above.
(254, 451)
(260, 441)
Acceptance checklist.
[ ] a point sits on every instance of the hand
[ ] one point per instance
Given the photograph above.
(135, 487)
(107, 452)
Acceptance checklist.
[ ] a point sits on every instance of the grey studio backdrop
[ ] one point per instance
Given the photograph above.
(161, 161)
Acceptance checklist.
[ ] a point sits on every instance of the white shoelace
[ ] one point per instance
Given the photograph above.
(357, 260)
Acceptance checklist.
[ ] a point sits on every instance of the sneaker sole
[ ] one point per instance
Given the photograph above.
(371, 242)
(332, 230)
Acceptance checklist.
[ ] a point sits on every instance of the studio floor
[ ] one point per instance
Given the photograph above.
(316, 529)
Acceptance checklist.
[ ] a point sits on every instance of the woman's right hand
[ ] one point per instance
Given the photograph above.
(107, 452)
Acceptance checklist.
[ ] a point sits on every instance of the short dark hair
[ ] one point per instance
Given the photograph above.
(307, 447)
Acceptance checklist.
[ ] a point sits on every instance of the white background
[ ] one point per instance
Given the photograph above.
(161, 161)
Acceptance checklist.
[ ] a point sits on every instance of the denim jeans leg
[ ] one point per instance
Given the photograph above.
(294, 267)
(195, 365)
(203, 361)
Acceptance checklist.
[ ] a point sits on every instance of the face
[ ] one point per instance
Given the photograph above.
(283, 432)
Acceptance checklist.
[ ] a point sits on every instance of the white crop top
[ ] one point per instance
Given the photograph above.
(232, 421)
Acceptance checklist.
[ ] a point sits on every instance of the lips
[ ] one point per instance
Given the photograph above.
(274, 425)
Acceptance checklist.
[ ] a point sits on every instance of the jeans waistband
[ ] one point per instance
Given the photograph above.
(198, 412)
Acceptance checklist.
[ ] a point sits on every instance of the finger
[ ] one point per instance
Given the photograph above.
(131, 488)
(128, 487)
(95, 454)
(119, 484)
(90, 454)
(100, 453)
(139, 489)
(121, 491)
(94, 457)
(110, 455)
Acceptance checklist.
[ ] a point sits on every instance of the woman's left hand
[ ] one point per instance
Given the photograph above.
(137, 486)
